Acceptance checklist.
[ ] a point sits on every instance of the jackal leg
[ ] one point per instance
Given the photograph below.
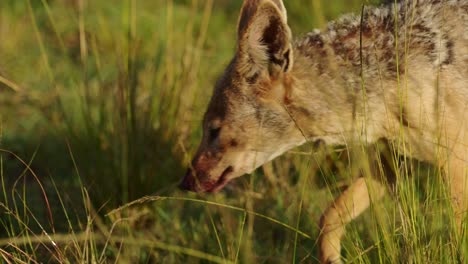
(456, 172)
(350, 204)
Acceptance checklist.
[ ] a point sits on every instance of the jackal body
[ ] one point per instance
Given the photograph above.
(399, 73)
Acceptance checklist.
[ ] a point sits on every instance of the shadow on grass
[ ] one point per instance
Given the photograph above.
(53, 169)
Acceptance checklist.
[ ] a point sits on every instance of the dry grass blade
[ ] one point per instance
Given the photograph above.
(10, 84)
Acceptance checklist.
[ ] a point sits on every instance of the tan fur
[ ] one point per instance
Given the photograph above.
(400, 76)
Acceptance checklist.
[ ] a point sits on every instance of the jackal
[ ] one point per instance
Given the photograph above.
(397, 73)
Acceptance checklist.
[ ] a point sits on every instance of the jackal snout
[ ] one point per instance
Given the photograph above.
(206, 174)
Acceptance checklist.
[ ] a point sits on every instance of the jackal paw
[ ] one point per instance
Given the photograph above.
(334, 261)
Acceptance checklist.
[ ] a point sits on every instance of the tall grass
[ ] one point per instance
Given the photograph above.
(101, 104)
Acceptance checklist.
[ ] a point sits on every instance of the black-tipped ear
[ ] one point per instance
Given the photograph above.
(248, 10)
(264, 38)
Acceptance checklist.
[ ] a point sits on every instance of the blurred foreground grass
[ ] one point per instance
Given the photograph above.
(101, 104)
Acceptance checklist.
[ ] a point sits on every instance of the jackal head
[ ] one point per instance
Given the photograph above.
(247, 123)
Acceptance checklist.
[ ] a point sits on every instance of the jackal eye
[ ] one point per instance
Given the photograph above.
(213, 133)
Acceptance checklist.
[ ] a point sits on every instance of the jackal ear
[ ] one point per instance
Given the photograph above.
(264, 38)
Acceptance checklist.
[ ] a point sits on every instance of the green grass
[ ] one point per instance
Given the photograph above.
(101, 104)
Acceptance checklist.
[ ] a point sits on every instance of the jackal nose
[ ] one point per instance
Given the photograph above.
(187, 182)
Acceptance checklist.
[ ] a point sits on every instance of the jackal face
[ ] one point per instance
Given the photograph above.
(246, 123)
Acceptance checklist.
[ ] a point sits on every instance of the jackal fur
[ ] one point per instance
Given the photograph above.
(398, 73)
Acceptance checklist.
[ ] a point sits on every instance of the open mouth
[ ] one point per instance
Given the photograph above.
(222, 181)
